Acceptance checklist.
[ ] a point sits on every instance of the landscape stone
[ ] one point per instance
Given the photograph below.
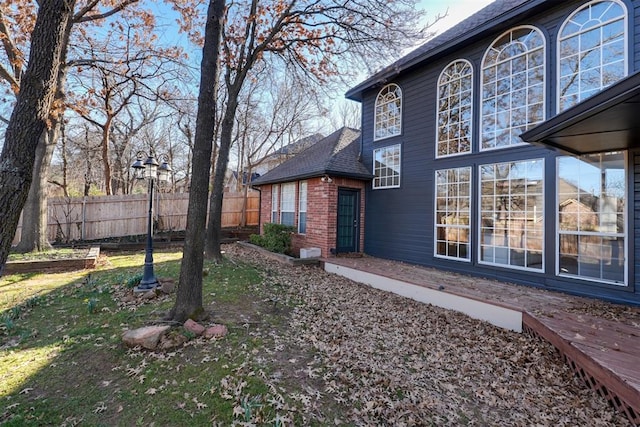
(193, 327)
(168, 342)
(167, 286)
(146, 337)
(216, 331)
(150, 294)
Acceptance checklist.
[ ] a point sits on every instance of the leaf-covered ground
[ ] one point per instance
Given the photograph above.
(304, 348)
(393, 361)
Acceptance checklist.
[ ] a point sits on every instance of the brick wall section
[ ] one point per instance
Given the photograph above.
(322, 213)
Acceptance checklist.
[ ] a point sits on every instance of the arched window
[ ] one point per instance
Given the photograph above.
(592, 51)
(512, 87)
(455, 89)
(388, 112)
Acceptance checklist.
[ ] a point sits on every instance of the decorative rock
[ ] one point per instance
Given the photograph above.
(169, 342)
(216, 331)
(150, 294)
(167, 286)
(147, 337)
(193, 327)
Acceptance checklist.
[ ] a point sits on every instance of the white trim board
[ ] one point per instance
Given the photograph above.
(499, 316)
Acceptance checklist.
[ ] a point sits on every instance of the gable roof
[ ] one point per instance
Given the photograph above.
(486, 21)
(298, 146)
(337, 155)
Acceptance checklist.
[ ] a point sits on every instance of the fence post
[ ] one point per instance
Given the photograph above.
(84, 213)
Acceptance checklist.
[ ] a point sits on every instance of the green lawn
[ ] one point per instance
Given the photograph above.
(62, 361)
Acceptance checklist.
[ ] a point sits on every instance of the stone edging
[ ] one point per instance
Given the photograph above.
(65, 264)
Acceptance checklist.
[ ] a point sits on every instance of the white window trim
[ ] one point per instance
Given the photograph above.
(564, 23)
(386, 187)
(544, 85)
(375, 108)
(541, 270)
(275, 202)
(626, 234)
(302, 184)
(440, 156)
(435, 225)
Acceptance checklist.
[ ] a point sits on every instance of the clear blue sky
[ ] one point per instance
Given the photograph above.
(458, 10)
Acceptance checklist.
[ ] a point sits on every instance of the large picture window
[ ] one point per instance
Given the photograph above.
(388, 112)
(592, 51)
(455, 88)
(288, 204)
(302, 207)
(512, 214)
(386, 167)
(591, 217)
(513, 74)
(274, 203)
(453, 213)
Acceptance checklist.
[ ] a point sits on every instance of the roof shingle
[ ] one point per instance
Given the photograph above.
(336, 155)
(466, 31)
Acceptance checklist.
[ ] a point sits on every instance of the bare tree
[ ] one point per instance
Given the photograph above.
(189, 295)
(16, 23)
(273, 110)
(312, 39)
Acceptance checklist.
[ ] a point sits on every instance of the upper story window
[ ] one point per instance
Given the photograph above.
(386, 167)
(513, 74)
(455, 88)
(592, 51)
(388, 112)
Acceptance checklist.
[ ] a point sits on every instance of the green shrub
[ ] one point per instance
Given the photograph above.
(275, 238)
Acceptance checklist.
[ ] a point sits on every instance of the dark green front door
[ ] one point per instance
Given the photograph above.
(348, 220)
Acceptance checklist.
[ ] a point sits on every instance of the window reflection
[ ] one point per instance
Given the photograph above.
(591, 216)
(512, 214)
(388, 112)
(454, 109)
(386, 167)
(453, 212)
(512, 87)
(592, 51)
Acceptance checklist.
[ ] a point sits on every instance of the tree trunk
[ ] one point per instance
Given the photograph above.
(245, 195)
(214, 227)
(34, 234)
(106, 166)
(189, 295)
(30, 116)
(65, 160)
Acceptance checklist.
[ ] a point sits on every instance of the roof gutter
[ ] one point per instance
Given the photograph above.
(315, 174)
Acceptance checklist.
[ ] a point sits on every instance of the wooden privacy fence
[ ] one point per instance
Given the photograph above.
(100, 217)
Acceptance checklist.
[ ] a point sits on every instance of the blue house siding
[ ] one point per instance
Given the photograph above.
(400, 221)
(635, 237)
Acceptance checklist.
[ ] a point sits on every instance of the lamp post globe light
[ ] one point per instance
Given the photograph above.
(152, 171)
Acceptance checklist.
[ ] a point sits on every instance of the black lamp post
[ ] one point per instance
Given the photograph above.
(150, 170)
